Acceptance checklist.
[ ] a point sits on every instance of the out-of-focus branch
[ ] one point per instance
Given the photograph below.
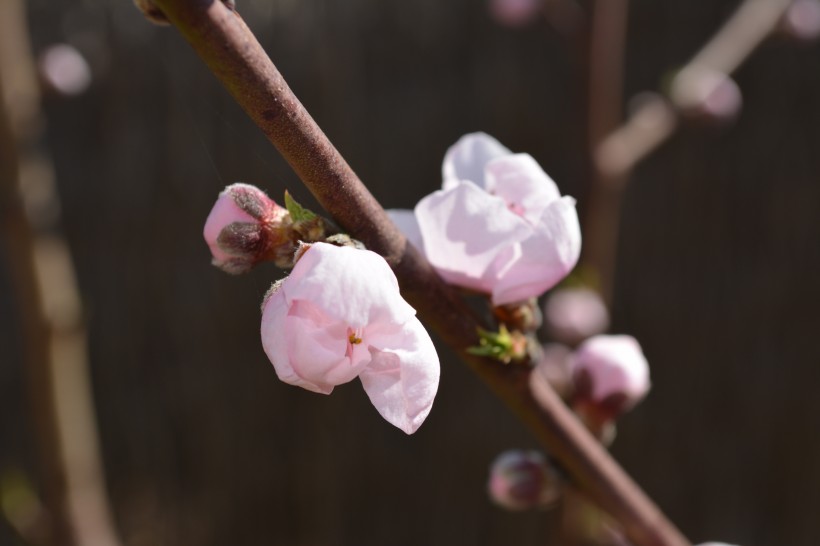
(655, 120)
(616, 152)
(228, 47)
(54, 337)
(607, 42)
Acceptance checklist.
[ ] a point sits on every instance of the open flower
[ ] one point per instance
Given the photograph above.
(498, 225)
(338, 316)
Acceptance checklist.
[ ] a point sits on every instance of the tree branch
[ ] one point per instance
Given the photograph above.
(227, 46)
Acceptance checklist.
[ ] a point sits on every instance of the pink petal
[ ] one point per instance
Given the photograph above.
(355, 287)
(402, 378)
(276, 341)
(616, 365)
(406, 221)
(522, 183)
(225, 212)
(545, 257)
(465, 229)
(465, 160)
(318, 347)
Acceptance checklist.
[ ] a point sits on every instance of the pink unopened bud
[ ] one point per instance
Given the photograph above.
(522, 480)
(574, 314)
(515, 13)
(611, 375)
(64, 70)
(705, 94)
(246, 227)
(802, 20)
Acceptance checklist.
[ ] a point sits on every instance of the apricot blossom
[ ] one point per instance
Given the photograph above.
(339, 316)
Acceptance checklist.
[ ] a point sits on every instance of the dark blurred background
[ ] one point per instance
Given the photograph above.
(202, 445)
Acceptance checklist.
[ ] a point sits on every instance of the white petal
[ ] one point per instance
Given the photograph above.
(402, 378)
(353, 286)
(522, 183)
(275, 342)
(466, 159)
(546, 257)
(465, 229)
(406, 221)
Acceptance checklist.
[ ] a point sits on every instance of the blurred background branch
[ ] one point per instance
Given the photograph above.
(74, 499)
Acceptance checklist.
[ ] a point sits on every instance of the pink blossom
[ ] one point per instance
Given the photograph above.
(498, 225)
(244, 228)
(515, 13)
(338, 316)
(521, 480)
(574, 314)
(611, 373)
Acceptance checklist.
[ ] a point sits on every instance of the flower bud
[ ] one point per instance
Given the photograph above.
(802, 20)
(705, 94)
(574, 314)
(246, 227)
(64, 70)
(611, 375)
(522, 480)
(515, 13)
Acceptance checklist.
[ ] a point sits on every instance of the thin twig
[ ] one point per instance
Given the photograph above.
(228, 47)
(654, 121)
(607, 41)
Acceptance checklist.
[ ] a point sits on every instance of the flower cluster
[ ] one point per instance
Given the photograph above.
(338, 315)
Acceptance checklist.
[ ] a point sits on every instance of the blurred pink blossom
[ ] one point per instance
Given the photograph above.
(802, 20)
(64, 70)
(610, 373)
(573, 314)
(515, 13)
(338, 316)
(244, 228)
(498, 225)
(521, 480)
(707, 94)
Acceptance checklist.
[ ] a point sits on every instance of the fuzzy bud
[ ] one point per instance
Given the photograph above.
(523, 480)
(572, 315)
(246, 227)
(611, 375)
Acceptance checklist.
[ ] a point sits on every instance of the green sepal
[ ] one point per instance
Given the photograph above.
(298, 213)
(496, 345)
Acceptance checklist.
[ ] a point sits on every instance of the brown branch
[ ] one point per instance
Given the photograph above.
(228, 47)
